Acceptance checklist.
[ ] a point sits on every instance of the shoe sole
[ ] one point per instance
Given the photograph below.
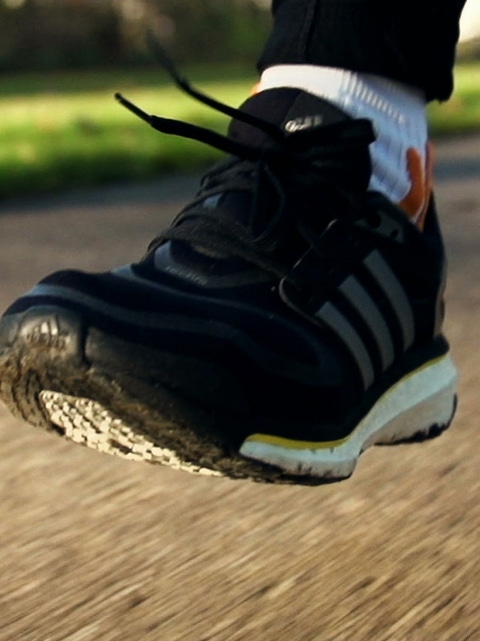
(46, 380)
(418, 407)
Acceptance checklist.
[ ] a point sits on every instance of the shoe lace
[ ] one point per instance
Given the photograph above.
(313, 158)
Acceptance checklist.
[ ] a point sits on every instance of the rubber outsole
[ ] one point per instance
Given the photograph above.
(46, 380)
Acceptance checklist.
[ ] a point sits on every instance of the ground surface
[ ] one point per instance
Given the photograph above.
(98, 548)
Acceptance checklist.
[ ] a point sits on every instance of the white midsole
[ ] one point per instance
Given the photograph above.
(424, 398)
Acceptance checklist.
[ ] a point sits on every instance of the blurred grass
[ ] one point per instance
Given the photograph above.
(461, 114)
(60, 131)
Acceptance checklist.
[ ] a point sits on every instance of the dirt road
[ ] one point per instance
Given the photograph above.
(95, 548)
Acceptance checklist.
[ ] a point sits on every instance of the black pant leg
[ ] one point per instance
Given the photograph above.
(411, 41)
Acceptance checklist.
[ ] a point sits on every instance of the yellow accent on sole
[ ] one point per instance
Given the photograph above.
(295, 445)
(290, 444)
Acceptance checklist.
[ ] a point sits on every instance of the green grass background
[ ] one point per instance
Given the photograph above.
(59, 131)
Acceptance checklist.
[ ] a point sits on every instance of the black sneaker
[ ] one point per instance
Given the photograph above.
(288, 319)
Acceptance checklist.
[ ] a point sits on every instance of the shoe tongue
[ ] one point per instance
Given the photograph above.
(291, 110)
(295, 112)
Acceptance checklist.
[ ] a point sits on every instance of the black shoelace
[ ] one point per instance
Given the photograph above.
(313, 157)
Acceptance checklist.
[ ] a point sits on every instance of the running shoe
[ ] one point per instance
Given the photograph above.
(287, 320)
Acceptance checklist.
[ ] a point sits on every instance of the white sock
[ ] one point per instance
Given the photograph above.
(399, 154)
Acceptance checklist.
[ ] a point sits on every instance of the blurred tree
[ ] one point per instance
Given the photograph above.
(51, 34)
(199, 30)
(41, 34)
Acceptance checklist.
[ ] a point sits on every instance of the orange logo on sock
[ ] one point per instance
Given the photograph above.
(415, 203)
